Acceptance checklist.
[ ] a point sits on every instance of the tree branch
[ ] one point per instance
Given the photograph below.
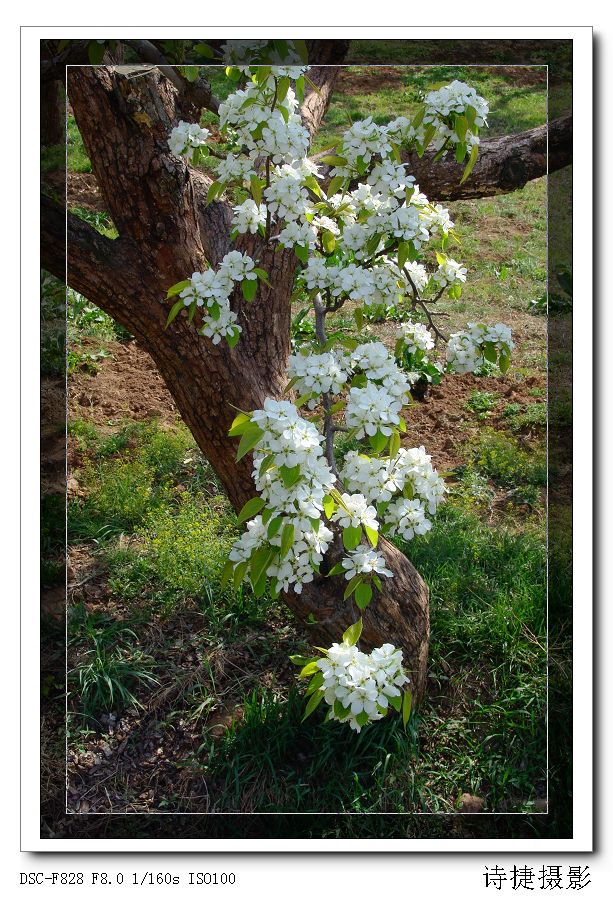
(98, 267)
(503, 165)
(196, 95)
(323, 77)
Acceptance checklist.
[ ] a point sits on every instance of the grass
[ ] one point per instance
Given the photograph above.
(162, 549)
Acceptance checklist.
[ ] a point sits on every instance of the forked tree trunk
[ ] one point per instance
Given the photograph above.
(166, 232)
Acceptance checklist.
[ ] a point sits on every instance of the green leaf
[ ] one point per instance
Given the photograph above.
(239, 574)
(471, 162)
(289, 476)
(249, 287)
(489, 352)
(328, 240)
(300, 660)
(233, 337)
(191, 73)
(315, 683)
(228, 571)
(460, 151)
(335, 184)
(249, 439)
(300, 89)
(336, 569)
(282, 88)
(250, 509)
(256, 185)
(376, 581)
(363, 595)
(504, 362)
(262, 275)
(215, 189)
(205, 51)
(352, 537)
(287, 539)
(429, 134)
(394, 444)
(312, 183)
(334, 160)
(395, 702)
(329, 506)
(340, 711)
(303, 399)
(259, 562)
(403, 254)
(373, 243)
(353, 633)
(178, 287)
(471, 114)
(274, 526)
(313, 703)
(309, 669)
(301, 253)
(240, 424)
(359, 317)
(372, 535)
(407, 700)
(262, 74)
(461, 127)
(353, 583)
(378, 442)
(174, 311)
(419, 117)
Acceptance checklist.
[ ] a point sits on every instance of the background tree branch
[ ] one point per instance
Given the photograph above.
(503, 165)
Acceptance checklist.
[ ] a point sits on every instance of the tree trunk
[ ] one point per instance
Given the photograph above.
(166, 231)
(51, 114)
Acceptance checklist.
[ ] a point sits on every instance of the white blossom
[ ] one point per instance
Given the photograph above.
(186, 137)
(365, 560)
(358, 686)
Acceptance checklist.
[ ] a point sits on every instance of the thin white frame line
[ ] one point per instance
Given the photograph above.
(404, 814)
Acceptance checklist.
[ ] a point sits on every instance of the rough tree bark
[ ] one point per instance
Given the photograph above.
(166, 231)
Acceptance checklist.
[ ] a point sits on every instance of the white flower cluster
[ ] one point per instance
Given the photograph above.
(409, 475)
(376, 406)
(465, 349)
(354, 511)
(364, 139)
(365, 560)
(289, 442)
(286, 196)
(416, 336)
(249, 115)
(454, 98)
(317, 374)
(450, 273)
(382, 284)
(249, 216)
(359, 686)
(211, 290)
(186, 137)
(407, 517)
